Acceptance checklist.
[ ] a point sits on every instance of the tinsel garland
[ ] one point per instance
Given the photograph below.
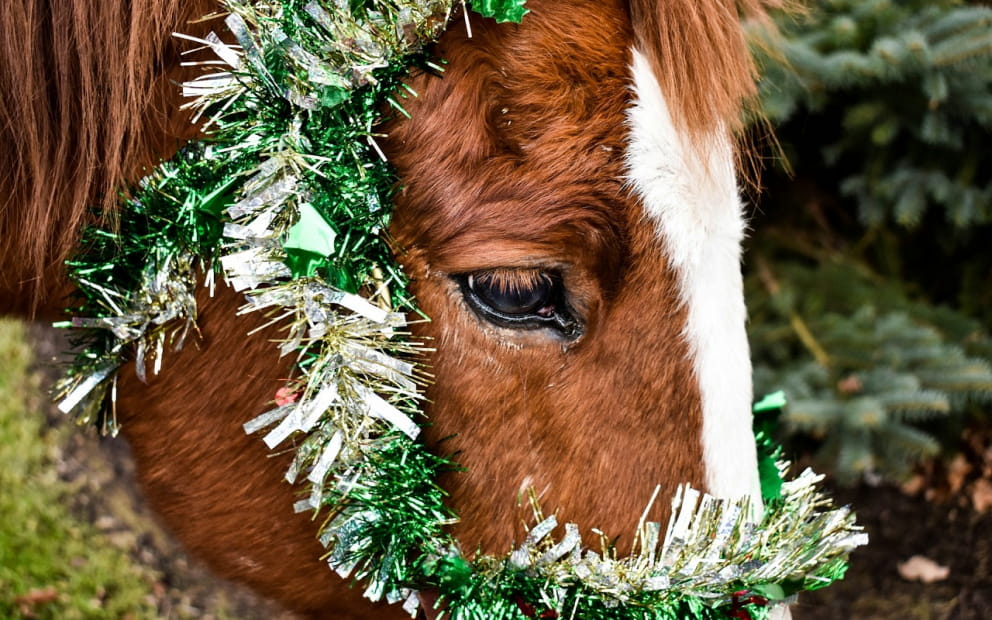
(287, 197)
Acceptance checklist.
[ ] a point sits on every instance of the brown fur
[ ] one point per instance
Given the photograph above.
(513, 159)
(532, 176)
(87, 99)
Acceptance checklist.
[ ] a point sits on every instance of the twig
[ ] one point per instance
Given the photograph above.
(795, 320)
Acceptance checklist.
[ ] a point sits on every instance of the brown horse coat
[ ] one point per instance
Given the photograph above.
(527, 154)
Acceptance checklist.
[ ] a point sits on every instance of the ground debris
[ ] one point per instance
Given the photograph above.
(899, 527)
(27, 602)
(922, 568)
(981, 495)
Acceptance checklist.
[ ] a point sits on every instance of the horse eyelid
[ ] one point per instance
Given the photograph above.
(562, 319)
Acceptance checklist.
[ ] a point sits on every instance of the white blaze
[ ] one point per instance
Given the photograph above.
(693, 201)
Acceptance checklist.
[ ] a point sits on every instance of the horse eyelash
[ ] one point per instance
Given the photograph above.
(512, 280)
(563, 320)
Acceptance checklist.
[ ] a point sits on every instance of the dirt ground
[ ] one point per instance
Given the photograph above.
(899, 526)
(952, 534)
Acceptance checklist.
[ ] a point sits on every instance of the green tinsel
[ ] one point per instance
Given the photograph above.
(501, 10)
(287, 197)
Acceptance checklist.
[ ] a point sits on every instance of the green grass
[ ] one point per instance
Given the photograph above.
(51, 564)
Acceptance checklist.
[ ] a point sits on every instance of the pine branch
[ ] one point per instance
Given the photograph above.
(795, 320)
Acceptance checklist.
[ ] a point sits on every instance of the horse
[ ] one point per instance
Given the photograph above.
(569, 218)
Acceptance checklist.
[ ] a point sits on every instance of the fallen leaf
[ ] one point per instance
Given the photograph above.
(850, 385)
(41, 595)
(981, 495)
(957, 472)
(922, 568)
(914, 485)
(26, 602)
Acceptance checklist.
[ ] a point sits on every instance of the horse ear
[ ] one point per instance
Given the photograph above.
(700, 57)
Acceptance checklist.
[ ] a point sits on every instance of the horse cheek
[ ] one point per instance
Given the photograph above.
(215, 487)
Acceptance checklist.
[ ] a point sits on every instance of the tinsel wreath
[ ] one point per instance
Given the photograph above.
(286, 198)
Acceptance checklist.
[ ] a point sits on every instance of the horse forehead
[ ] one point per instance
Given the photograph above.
(527, 135)
(558, 82)
(525, 127)
(568, 65)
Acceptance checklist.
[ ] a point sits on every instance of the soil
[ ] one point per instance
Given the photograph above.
(900, 526)
(951, 533)
(101, 473)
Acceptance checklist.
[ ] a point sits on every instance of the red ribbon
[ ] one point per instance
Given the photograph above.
(285, 396)
(738, 602)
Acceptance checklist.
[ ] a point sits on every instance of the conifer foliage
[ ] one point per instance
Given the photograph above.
(870, 283)
(906, 86)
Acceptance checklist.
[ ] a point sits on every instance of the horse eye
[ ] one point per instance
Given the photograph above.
(524, 294)
(520, 299)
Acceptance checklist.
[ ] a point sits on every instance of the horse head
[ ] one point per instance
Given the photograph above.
(572, 226)
(568, 215)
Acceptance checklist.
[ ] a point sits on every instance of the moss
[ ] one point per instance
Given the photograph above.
(51, 564)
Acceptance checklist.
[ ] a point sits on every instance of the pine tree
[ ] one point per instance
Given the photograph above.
(859, 308)
(863, 365)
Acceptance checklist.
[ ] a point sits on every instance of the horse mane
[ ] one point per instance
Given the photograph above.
(85, 103)
(700, 56)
